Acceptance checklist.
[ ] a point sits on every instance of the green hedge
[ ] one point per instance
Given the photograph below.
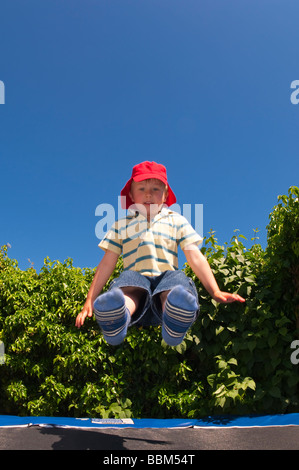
(235, 359)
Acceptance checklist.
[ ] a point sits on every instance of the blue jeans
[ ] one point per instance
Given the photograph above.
(149, 312)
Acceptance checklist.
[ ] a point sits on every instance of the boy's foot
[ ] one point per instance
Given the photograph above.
(112, 316)
(180, 313)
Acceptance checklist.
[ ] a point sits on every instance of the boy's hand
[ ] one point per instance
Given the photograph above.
(226, 298)
(87, 311)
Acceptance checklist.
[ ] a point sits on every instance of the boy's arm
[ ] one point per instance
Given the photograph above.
(103, 272)
(201, 268)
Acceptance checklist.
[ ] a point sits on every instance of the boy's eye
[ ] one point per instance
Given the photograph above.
(142, 188)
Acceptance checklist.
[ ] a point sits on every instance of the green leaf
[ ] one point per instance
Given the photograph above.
(275, 392)
(219, 329)
(233, 361)
(272, 339)
(181, 348)
(220, 391)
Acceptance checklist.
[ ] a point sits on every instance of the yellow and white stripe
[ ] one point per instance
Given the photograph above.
(150, 248)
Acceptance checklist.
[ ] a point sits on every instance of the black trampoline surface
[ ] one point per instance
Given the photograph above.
(148, 439)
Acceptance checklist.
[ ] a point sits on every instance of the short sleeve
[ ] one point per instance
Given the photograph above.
(186, 234)
(112, 240)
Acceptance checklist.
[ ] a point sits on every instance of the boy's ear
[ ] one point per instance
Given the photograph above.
(165, 193)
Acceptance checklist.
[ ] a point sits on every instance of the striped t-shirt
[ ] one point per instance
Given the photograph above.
(150, 248)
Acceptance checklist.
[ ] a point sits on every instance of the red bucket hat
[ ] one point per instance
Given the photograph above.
(144, 171)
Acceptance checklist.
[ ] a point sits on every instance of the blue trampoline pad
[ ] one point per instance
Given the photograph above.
(291, 419)
(18, 421)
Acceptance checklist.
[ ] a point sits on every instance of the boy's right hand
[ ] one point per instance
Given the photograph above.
(87, 311)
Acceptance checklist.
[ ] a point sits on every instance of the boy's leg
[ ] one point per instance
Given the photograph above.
(133, 296)
(163, 298)
(179, 312)
(113, 311)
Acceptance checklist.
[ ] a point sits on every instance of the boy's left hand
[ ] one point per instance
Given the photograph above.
(226, 298)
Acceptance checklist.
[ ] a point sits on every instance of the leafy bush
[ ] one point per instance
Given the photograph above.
(235, 359)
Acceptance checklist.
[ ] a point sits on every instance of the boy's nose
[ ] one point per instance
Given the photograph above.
(148, 192)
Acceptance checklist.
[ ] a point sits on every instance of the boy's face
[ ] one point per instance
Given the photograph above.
(151, 194)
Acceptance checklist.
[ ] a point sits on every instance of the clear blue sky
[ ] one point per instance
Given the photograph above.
(93, 87)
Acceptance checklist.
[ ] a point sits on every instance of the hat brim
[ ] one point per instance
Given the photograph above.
(126, 201)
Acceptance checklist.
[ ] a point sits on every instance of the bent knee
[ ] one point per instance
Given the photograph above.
(133, 296)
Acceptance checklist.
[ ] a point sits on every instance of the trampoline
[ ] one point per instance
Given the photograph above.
(150, 437)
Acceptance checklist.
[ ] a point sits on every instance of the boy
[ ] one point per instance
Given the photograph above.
(151, 289)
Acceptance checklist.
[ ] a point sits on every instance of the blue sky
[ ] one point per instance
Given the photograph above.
(93, 87)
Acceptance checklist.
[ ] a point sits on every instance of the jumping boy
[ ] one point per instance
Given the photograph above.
(151, 289)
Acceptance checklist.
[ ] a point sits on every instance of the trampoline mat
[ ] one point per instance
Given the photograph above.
(150, 439)
(279, 432)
